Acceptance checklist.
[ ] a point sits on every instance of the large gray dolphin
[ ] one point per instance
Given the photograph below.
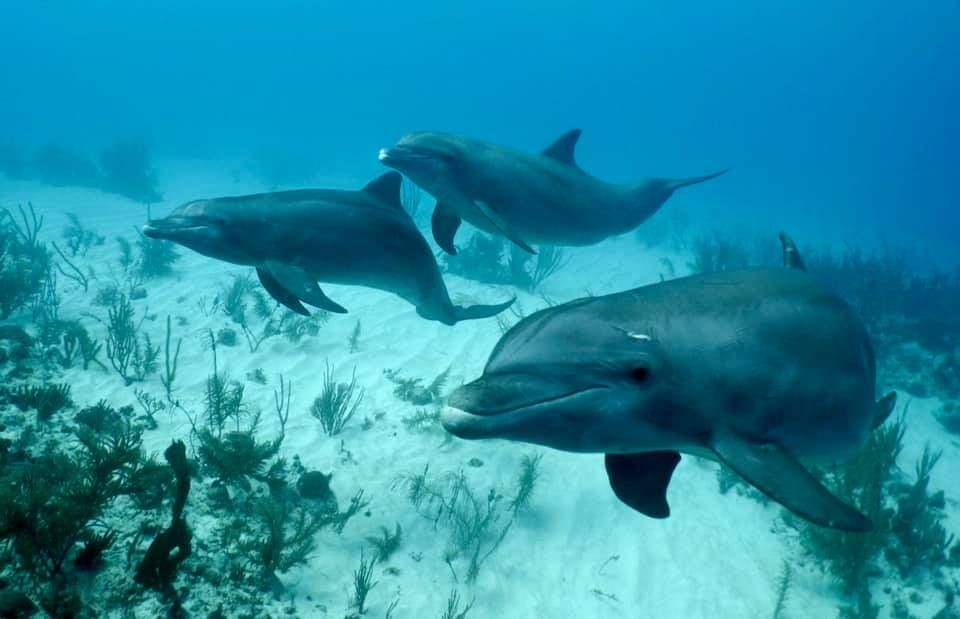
(295, 238)
(536, 199)
(758, 369)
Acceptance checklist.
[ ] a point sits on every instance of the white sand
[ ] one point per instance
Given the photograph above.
(577, 552)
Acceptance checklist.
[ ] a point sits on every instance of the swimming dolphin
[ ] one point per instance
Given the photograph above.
(757, 369)
(295, 238)
(528, 198)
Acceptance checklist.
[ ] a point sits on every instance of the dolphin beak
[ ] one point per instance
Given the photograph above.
(402, 153)
(496, 404)
(170, 228)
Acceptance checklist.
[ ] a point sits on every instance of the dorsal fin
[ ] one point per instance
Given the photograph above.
(791, 255)
(386, 188)
(563, 148)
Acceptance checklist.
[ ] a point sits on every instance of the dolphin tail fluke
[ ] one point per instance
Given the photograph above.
(678, 183)
(474, 312)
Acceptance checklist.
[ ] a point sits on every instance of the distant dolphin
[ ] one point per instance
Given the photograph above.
(528, 198)
(295, 238)
(757, 369)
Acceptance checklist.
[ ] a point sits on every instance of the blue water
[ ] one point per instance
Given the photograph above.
(836, 119)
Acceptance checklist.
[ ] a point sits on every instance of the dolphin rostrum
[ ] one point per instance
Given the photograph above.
(295, 238)
(531, 199)
(758, 369)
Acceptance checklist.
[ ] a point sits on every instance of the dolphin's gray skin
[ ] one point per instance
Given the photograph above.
(757, 369)
(541, 199)
(295, 238)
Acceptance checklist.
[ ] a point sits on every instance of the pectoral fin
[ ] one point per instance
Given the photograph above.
(502, 226)
(776, 473)
(304, 287)
(280, 294)
(445, 222)
(640, 480)
(883, 408)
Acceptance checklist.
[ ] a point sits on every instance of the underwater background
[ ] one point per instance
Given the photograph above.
(838, 123)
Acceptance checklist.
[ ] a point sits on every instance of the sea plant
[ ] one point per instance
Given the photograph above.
(242, 295)
(851, 559)
(412, 389)
(386, 543)
(713, 253)
(453, 610)
(918, 523)
(484, 259)
(337, 401)
(156, 256)
(170, 363)
(131, 352)
(46, 399)
(24, 261)
(236, 456)
(71, 271)
(78, 238)
(353, 344)
(363, 583)
(53, 503)
(477, 522)
(526, 482)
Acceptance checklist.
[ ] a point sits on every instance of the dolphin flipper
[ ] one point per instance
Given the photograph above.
(280, 294)
(445, 222)
(300, 284)
(497, 222)
(473, 312)
(640, 480)
(776, 473)
(883, 408)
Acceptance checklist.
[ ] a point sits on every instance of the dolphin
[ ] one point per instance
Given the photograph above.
(758, 369)
(295, 238)
(543, 199)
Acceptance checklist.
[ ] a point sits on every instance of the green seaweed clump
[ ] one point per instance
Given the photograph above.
(477, 522)
(156, 257)
(923, 542)
(131, 353)
(51, 509)
(24, 261)
(236, 456)
(851, 559)
(337, 402)
(46, 399)
(484, 259)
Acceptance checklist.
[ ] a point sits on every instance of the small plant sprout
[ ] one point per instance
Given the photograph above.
(337, 402)
(363, 583)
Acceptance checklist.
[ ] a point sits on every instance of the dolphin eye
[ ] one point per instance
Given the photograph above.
(640, 375)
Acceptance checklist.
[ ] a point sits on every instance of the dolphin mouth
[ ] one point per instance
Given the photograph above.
(491, 404)
(171, 227)
(401, 153)
(480, 423)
